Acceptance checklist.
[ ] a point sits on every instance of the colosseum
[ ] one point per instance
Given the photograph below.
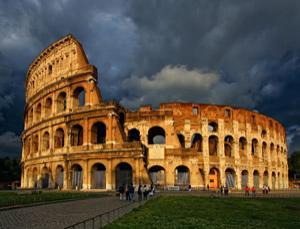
(73, 139)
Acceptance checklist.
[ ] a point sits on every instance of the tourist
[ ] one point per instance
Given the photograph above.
(207, 187)
(140, 194)
(222, 190)
(226, 190)
(131, 192)
(127, 192)
(190, 188)
(121, 191)
(247, 189)
(253, 191)
(145, 192)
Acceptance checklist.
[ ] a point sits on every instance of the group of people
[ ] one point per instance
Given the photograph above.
(127, 192)
(248, 190)
(266, 189)
(224, 190)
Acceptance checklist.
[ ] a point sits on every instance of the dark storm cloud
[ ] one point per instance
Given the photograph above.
(243, 53)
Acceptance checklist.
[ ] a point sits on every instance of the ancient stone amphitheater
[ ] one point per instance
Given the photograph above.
(72, 139)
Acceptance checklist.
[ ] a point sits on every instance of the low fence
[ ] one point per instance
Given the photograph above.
(105, 218)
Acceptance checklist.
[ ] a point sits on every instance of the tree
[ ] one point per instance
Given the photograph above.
(294, 165)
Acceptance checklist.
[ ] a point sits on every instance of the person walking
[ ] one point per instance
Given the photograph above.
(140, 193)
(121, 192)
(253, 189)
(131, 192)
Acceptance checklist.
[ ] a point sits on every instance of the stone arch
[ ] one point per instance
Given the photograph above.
(61, 103)
(46, 141)
(196, 142)
(228, 146)
(213, 145)
(156, 135)
(38, 112)
(98, 134)
(79, 95)
(272, 150)
(182, 175)
(76, 135)
(59, 180)
(158, 176)
(256, 179)
(35, 144)
(266, 178)
(213, 127)
(214, 178)
(264, 150)
(230, 178)
(254, 147)
(34, 177)
(59, 138)
(244, 178)
(48, 107)
(134, 135)
(124, 174)
(263, 134)
(76, 177)
(45, 177)
(273, 180)
(242, 146)
(98, 176)
(181, 140)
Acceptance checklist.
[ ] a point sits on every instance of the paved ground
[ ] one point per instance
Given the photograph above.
(59, 215)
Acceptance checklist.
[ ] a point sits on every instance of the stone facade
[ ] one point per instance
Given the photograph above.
(72, 139)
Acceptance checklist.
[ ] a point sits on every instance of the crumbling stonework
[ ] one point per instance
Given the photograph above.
(74, 140)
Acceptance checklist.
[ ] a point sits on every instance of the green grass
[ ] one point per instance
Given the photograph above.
(201, 212)
(13, 198)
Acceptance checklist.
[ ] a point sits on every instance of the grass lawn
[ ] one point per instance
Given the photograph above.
(201, 212)
(13, 198)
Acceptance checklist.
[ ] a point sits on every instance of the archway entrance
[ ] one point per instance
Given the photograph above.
(273, 180)
(60, 177)
(45, 178)
(256, 179)
(266, 178)
(123, 174)
(77, 177)
(230, 178)
(98, 176)
(182, 175)
(214, 178)
(244, 178)
(157, 174)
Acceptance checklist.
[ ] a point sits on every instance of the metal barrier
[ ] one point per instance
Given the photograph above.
(105, 218)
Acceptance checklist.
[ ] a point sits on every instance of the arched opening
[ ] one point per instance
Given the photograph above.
(244, 178)
(46, 138)
(197, 142)
(273, 180)
(98, 133)
(256, 179)
(272, 149)
(61, 102)
(48, 107)
(34, 178)
(59, 138)
(156, 135)
(264, 150)
(181, 140)
(45, 178)
(263, 134)
(123, 174)
(182, 175)
(157, 174)
(30, 117)
(79, 97)
(254, 146)
(122, 119)
(27, 143)
(230, 178)
(76, 135)
(266, 178)
(77, 177)
(59, 177)
(242, 146)
(214, 178)
(134, 135)
(212, 127)
(35, 144)
(213, 145)
(228, 146)
(98, 176)
(38, 112)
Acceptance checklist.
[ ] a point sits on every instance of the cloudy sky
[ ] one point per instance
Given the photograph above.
(242, 53)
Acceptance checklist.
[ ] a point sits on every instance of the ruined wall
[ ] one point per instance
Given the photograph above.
(73, 139)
